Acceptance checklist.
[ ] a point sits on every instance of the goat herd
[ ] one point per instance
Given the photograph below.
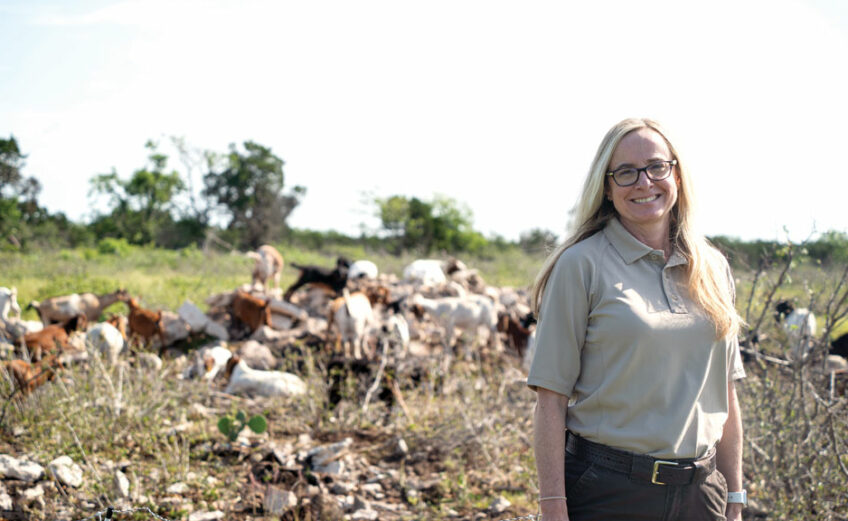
(351, 311)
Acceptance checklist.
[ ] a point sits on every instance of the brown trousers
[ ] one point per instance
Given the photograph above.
(596, 493)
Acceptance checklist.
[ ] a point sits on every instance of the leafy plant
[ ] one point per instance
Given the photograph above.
(231, 426)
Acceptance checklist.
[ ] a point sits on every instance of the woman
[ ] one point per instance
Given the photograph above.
(636, 349)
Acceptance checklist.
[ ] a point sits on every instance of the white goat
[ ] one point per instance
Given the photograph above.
(467, 313)
(9, 302)
(208, 362)
(398, 330)
(106, 340)
(800, 327)
(352, 315)
(66, 307)
(362, 269)
(425, 271)
(244, 380)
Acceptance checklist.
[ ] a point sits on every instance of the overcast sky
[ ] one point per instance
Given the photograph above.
(497, 104)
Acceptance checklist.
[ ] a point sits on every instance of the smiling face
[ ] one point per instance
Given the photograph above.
(644, 208)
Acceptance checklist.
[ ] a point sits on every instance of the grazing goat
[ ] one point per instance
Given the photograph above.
(106, 340)
(29, 376)
(800, 327)
(145, 324)
(333, 280)
(268, 265)
(467, 313)
(9, 302)
(840, 346)
(362, 269)
(353, 313)
(208, 362)
(60, 309)
(52, 338)
(425, 271)
(252, 311)
(244, 380)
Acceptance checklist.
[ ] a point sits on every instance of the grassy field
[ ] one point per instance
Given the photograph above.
(468, 431)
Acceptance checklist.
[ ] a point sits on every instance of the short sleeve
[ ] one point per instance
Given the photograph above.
(563, 320)
(736, 370)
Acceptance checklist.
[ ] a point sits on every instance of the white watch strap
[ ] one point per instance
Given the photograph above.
(738, 497)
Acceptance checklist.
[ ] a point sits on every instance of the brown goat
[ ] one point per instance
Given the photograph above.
(516, 333)
(53, 337)
(252, 311)
(30, 376)
(145, 324)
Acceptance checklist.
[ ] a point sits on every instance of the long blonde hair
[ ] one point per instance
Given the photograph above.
(706, 268)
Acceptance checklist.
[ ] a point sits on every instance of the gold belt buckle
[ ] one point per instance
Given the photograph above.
(657, 464)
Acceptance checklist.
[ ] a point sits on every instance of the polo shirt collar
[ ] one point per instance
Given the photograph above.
(632, 249)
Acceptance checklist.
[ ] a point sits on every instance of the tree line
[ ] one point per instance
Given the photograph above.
(239, 199)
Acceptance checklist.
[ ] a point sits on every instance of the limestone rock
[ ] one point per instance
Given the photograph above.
(277, 501)
(192, 315)
(499, 505)
(214, 515)
(256, 355)
(177, 488)
(23, 470)
(121, 484)
(217, 330)
(66, 471)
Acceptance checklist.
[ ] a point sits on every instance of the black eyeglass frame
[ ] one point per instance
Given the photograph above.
(672, 163)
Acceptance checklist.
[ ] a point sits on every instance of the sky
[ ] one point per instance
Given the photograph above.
(499, 105)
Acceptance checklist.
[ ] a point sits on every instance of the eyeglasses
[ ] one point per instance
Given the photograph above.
(628, 175)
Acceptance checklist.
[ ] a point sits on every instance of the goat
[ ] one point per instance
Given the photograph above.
(60, 309)
(244, 380)
(145, 323)
(425, 271)
(362, 269)
(333, 280)
(107, 340)
(29, 376)
(208, 362)
(840, 346)
(353, 313)
(516, 331)
(800, 327)
(397, 329)
(466, 313)
(9, 302)
(52, 338)
(252, 311)
(268, 265)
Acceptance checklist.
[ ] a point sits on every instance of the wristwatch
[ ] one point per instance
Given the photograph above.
(738, 497)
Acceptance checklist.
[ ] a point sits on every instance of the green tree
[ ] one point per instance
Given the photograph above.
(425, 226)
(248, 191)
(537, 240)
(141, 206)
(18, 195)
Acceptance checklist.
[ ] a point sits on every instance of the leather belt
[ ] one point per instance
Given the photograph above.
(641, 467)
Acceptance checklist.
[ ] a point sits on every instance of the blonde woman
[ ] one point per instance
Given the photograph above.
(636, 352)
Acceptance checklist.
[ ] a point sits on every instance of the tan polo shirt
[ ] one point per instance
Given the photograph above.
(618, 334)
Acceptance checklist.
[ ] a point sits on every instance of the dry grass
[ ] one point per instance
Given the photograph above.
(468, 431)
